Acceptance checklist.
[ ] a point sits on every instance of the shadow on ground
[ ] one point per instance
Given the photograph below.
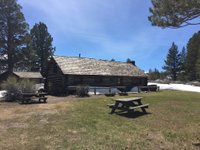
(134, 114)
(196, 144)
(32, 102)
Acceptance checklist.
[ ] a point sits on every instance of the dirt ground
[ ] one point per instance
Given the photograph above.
(50, 100)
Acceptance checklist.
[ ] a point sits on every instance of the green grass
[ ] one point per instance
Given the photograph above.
(173, 122)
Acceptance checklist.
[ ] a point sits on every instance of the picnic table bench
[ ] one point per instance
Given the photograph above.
(27, 97)
(128, 104)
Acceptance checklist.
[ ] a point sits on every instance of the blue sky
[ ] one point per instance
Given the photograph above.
(106, 29)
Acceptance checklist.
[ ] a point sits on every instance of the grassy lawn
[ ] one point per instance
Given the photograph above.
(173, 122)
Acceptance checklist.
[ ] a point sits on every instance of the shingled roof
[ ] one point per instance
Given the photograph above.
(90, 66)
(35, 75)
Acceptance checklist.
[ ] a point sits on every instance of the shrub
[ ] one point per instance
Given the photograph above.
(123, 94)
(26, 86)
(14, 88)
(110, 94)
(82, 90)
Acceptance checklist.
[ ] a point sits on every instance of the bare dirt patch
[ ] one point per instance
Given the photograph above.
(7, 108)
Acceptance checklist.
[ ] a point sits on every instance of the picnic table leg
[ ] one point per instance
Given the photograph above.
(143, 109)
(114, 107)
(40, 97)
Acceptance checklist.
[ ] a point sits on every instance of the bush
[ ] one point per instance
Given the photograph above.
(82, 90)
(14, 88)
(27, 86)
(110, 94)
(123, 94)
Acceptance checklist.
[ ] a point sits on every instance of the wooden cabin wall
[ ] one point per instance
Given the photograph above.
(55, 81)
(144, 81)
(74, 80)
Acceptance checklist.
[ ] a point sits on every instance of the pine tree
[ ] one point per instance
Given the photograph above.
(193, 48)
(197, 67)
(42, 43)
(112, 59)
(29, 61)
(172, 63)
(128, 60)
(182, 75)
(13, 29)
(154, 75)
(174, 13)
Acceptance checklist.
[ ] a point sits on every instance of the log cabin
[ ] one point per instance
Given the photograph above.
(35, 77)
(64, 72)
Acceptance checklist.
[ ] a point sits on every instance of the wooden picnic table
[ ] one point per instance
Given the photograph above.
(27, 97)
(128, 104)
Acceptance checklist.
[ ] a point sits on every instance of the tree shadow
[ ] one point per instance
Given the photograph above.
(196, 144)
(132, 114)
(32, 102)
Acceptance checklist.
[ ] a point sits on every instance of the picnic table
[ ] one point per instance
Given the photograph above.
(27, 97)
(128, 104)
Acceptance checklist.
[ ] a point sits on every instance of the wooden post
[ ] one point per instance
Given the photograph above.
(94, 90)
(138, 89)
(109, 89)
(158, 88)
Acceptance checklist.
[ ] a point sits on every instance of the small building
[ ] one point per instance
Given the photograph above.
(65, 72)
(35, 77)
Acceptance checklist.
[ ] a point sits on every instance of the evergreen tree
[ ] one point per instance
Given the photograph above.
(197, 66)
(2, 64)
(182, 75)
(183, 55)
(174, 13)
(112, 59)
(163, 75)
(157, 74)
(172, 63)
(128, 60)
(193, 48)
(42, 43)
(13, 30)
(153, 75)
(150, 74)
(29, 61)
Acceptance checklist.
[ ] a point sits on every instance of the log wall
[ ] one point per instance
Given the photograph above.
(57, 82)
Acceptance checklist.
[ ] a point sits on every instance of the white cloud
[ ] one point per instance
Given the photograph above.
(74, 16)
(119, 28)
